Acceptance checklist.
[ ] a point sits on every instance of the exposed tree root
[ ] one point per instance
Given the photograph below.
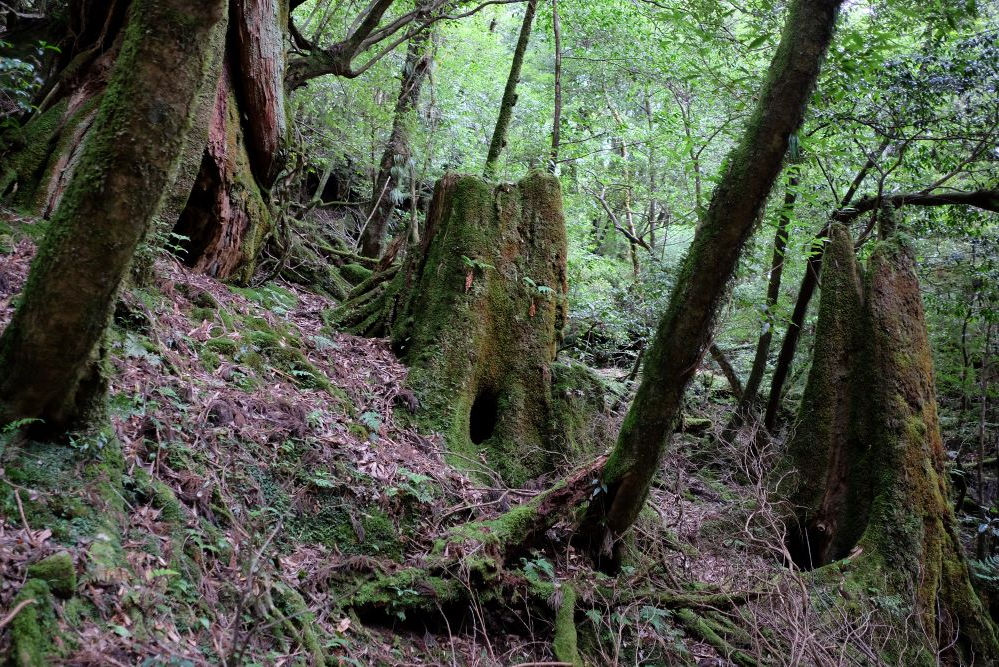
(367, 308)
(712, 632)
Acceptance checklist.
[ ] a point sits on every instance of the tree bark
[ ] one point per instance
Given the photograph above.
(397, 151)
(49, 353)
(219, 199)
(685, 329)
(260, 35)
(777, 260)
(557, 117)
(498, 142)
(865, 474)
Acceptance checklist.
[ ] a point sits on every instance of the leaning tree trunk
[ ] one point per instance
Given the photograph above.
(685, 329)
(866, 472)
(397, 150)
(477, 313)
(498, 141)
(50, 358)
(218, 205)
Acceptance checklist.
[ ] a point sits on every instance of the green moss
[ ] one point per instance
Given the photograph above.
(202, 314)
(77, 610)
(410, 589)
(564, 645)
(381, 534)
(299, 622)
(52, 470)
(104, 559)
(580, 426)
(203, 299)
(160, 496)
(303, 373)
(32, 629)
(37, 140)
(355, 273)
(272, 297)
(210, 360)
(222, 346)
(58, 572)
(331, 525)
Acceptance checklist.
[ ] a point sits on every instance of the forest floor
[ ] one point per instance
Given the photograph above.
(272, 466)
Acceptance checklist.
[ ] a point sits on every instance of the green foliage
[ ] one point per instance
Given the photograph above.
(20, 78)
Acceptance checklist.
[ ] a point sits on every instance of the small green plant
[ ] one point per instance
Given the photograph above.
(475, 264)
(986, 571)
(538, 568)
(655, 617)
(92, 443)
(11, 431)
(415, 485)
(543, 290)
(396, 605)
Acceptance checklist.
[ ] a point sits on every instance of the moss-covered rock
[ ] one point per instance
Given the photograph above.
(57, 571)
(31, 630)
(581, 401)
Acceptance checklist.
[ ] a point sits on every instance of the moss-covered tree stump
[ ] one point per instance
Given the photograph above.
(828, 443)
(866, 468)
(477, 312)
(484, 313)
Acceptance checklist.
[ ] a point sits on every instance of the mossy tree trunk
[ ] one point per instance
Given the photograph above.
(685, 329)
(825, 479)
(396, 155)
(477, 312)
(498, 142)
(50, 360)
(865, 473)
(219, 197)
(483, 316)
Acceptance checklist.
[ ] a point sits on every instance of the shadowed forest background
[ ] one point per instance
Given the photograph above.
(503, 332)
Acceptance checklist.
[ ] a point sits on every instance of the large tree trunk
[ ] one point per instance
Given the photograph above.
(865, 473)
(685, 329)
(822, 483)
(477, 313)
(50, 366)
(397, 150)
(219, 198)
(484, 314)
